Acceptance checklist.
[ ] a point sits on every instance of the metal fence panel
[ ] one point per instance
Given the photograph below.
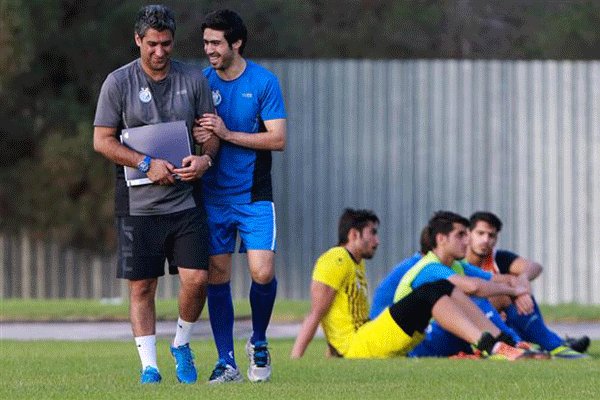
(406, 138)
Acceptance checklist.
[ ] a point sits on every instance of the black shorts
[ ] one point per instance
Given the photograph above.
(145, 242)
(413, 312)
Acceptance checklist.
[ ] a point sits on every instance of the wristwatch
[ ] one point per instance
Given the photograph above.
(144, 165)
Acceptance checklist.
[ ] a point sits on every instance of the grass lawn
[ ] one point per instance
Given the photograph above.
(285, 310)
(109, 370)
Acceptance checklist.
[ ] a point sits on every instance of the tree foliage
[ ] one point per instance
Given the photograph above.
(54, 55)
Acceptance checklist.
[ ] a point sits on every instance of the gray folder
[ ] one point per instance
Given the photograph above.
(168, 141)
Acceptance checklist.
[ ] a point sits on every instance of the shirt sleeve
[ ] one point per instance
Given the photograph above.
(330, 270)
(204, 100)
(272, 105)
(431, 273)
(503, 260)
(475, 272)
(109, 107)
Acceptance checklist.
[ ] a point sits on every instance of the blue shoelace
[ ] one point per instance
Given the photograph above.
(261, 354)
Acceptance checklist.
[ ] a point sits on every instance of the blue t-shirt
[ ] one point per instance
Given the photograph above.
(384, 294)
(241, 175)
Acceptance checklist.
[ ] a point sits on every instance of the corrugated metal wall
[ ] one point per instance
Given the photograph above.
(406, 138)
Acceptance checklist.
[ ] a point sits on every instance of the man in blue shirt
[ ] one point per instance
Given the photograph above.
(442, 343)
(250, 121)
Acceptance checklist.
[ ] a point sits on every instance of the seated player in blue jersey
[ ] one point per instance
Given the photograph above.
(484, 228)
(445, 227)
(384, 297)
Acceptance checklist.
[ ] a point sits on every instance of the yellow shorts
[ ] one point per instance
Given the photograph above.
(381, 338)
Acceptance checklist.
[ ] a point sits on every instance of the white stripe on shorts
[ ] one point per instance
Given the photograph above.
(274, 227)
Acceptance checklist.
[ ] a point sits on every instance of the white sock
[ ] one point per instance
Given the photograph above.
(146, 346)
(183, 333)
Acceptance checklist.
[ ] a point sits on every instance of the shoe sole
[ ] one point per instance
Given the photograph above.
(254, 379)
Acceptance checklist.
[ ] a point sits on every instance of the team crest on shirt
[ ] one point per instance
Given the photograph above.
(216, 97)
(145, 95)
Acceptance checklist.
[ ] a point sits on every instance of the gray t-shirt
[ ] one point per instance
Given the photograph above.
(129, 98)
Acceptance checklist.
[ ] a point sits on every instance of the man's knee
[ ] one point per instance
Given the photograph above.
(195, 278)
(142, 289)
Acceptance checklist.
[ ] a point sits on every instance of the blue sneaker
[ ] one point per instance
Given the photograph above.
(150, 375)
(184, 364)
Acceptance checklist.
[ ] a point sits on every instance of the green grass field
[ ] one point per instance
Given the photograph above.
(109, 370)
(285, 310)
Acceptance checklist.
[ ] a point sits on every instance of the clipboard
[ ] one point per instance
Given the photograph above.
(168, 141)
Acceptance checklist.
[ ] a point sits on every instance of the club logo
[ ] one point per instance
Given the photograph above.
(145, 95)
(216, 97)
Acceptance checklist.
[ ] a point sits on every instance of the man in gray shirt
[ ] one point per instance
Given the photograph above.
(166, 219)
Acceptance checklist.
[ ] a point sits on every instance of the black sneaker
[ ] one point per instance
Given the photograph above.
(580, 344)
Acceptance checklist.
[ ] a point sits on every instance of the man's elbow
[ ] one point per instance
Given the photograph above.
(279, 143)
(98, 146)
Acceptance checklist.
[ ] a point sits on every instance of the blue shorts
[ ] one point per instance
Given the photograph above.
(255, 223)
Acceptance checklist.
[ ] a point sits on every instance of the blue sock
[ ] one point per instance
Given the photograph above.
(533, 328)
(220, 310)
(262, 300)
(492, 314)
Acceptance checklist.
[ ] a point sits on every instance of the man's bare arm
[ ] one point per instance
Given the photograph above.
(321, 299)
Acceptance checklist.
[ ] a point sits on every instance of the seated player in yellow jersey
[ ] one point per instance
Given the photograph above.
(339, 302)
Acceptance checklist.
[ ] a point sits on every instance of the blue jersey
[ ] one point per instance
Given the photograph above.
(384, 294)
(241, 175)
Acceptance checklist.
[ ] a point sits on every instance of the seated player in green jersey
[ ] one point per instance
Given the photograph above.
(339, 302)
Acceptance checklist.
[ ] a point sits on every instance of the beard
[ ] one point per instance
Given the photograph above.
(480, 254)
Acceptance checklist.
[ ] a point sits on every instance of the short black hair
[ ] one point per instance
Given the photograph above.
(425, 241)
(356, 219)
(443, 222)
(485, 216)
(155, 16)
(230, 23)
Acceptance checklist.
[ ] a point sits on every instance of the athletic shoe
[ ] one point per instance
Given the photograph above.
(224, 373)
(150, 375)
(461, 355)
(259, 369)
(532, 351)
(578, 344)
(184, 364)
(566, 352)
(502, 351)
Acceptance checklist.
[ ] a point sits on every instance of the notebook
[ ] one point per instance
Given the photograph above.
(168, 141)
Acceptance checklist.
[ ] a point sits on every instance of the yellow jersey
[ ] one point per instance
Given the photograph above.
(350, 307)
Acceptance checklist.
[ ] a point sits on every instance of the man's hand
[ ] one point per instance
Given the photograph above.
(213, 123)
(201, 135)
(193, 167)
(524, 304)
(161, 172)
